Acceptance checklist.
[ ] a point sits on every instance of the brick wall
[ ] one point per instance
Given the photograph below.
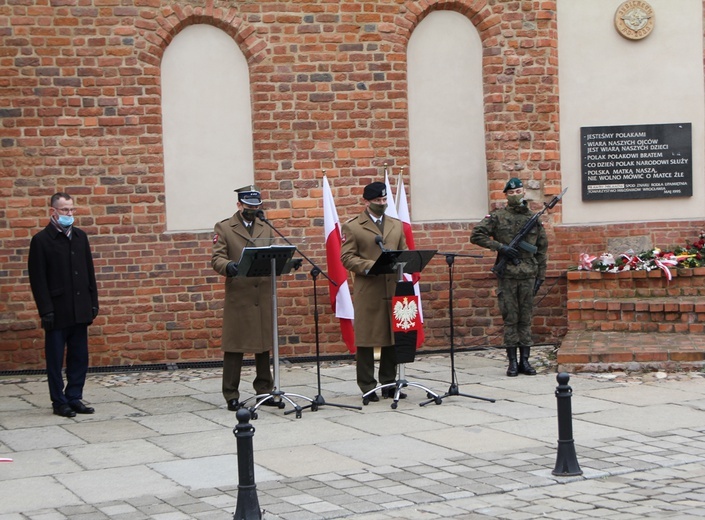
(80, 112)
(637, 301)
(634, 320)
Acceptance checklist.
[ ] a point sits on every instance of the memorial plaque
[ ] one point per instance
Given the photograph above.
(636, 162)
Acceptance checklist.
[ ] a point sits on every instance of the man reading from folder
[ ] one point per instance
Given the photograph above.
(247, 314)
(364, 237)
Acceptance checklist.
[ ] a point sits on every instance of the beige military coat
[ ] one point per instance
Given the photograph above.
(247, 314)
(372, 295)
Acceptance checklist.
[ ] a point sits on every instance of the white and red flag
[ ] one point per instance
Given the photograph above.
(391, 207)
(402, 208)
(340, 299)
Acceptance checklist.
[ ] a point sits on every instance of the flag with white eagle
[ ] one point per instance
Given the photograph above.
(403, 215)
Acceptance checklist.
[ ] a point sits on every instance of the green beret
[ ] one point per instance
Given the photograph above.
(513, 184)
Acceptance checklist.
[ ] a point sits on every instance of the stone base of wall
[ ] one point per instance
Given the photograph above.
(595, 351)
(635, 320)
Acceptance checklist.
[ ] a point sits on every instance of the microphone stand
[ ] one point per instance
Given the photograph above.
(317, 401)
(454, 389)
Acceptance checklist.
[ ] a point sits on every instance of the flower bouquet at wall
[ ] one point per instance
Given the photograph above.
(690, 256)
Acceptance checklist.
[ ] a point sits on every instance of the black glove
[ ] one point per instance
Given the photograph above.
(48, 321)
(95, 312)
(231, 269)
(509, 252)
(537, 285)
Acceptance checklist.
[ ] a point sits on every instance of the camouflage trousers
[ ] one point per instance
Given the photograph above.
(516, 303)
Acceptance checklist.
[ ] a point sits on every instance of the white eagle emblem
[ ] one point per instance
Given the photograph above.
(405, 313)
(636, 19)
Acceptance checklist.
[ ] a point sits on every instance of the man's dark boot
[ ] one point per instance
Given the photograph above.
(524, 366)
(512, 369)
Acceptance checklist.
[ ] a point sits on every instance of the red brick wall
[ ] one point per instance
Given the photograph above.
(637, 301)
(80, 112)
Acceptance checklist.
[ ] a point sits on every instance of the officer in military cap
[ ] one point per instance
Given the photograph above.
(523, 276)
(247, 314)
(363, 239)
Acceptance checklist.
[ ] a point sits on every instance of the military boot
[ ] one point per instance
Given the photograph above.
(512, 369)
(524, 366)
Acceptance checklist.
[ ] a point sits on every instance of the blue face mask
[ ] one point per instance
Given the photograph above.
(65, 220)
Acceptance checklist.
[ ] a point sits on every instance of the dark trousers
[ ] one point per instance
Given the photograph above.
(232, 366)
(366, 367)
(75, 341)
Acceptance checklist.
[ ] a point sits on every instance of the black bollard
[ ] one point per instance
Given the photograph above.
(566, 460)
(247, 503)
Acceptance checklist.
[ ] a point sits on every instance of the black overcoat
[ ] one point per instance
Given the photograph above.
(62, 276)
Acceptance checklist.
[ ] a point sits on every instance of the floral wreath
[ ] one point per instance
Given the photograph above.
(688, 257)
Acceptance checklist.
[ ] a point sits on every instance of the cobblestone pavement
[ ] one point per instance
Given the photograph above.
(161, 446)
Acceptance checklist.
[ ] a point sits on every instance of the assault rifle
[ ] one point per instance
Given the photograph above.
(519, 242)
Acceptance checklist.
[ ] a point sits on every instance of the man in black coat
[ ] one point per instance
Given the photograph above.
(62, 277)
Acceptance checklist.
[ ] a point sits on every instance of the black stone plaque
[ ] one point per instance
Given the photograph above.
(636, 162)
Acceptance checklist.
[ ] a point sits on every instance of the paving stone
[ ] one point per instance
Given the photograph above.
(376, 464)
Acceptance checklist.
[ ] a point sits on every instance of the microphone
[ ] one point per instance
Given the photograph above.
(260, 215)
(380, 242)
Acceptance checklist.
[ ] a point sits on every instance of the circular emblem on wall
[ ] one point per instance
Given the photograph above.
(634, 19)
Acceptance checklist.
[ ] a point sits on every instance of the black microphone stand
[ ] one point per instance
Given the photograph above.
(317, 401)
(454, 389)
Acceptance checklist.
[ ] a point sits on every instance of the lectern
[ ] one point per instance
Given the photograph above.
(400, 262)
(271, 261)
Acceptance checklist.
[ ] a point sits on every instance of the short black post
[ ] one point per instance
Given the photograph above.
(566, 460)
(247, 503)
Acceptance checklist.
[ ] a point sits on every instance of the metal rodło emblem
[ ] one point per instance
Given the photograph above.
(634, 19)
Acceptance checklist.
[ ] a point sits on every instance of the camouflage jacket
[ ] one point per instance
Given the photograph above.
(500, 227)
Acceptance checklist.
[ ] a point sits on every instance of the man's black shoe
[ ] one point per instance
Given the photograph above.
(79, 407)
(64, 410)
(388, 393)
(233, 405)
(373, 397)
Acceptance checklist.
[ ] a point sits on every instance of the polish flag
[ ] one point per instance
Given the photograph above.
(340, 299)
(403, 214)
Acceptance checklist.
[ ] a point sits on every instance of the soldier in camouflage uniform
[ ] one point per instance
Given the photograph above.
(521, 281)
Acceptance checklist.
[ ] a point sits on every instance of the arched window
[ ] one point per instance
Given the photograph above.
(207, 127)
(446, 120)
